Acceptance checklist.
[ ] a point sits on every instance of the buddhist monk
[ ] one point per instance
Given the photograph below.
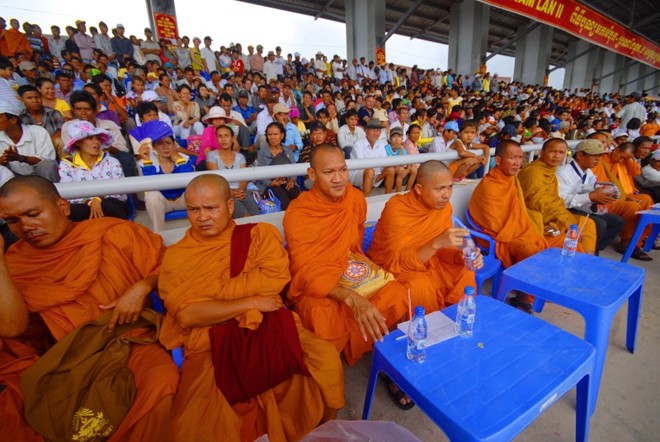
(541, 189)
(498, 207)
(415, 239)
(199, 292)
(612, 169)
(70, 273)
(15, 356)
(323, 230)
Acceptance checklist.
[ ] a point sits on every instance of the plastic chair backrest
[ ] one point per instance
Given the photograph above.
(176, 214)
(481, 237)
(157, 305)
(369, 229)
(473, 225)
(131, 208)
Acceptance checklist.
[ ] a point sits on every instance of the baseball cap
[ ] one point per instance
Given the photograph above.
(590, 147)
(396, 130)
(656, 155)
(508, 129)
(244, 94)
(26, 66)
(297, 54)
(451, 125)
(281, 108)
(619, 133)
(120, 26)
(12, 107)
(80, 22)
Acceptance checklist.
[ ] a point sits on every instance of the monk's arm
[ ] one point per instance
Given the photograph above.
(208, 313)
(13, 312)
(366, 315)
(452, 237)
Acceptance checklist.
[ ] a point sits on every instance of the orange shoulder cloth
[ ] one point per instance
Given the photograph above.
(319, 235)
(404, 226)
(95, 263)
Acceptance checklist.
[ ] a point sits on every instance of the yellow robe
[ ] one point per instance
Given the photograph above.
(541, 189)
(197, 270)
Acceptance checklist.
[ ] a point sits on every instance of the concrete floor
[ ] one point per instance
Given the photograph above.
(629, 400)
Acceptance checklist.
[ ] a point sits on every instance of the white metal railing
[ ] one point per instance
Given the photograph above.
(180, 180)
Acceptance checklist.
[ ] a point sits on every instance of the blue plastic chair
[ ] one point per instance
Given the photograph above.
(131, 208)
(176, 214)
(646, 217)
(493, 267)
(367, 239)
(157, 305)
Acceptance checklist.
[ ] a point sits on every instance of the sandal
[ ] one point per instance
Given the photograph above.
(640, 255)
(397, 395)
(524, 306)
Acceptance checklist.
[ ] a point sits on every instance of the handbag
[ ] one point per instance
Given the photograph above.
(249, 362)
(361, 277)
(267, 205)
(81, 389)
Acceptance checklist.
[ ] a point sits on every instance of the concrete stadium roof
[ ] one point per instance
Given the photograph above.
(429, 20)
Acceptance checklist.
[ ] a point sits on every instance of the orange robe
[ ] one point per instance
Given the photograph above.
(14, 358)
(94, 264)
(319, 235)
(498, 207)
(197, 270)
(617, 174)
(14, 41)
(405, 225)
(541, 189)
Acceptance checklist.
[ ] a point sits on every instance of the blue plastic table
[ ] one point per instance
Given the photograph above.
(594, 287)
(492, 385)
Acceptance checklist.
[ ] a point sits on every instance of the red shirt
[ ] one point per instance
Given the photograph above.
(238, 66)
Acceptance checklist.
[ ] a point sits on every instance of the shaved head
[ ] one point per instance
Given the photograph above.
(44, 188)
(325, 147)
(211, 181)
(429, 168)
(210, 205)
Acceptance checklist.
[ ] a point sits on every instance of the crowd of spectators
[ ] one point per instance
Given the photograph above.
(276, 106)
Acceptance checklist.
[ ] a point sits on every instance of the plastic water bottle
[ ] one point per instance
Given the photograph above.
(417, 334)
(466, 313)
(570, 243)
(469, 252)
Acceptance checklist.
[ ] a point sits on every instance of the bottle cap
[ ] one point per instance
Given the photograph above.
(419, 311)
(574, 226)
(469, 290)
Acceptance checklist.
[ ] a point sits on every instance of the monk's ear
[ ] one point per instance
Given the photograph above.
(498, 160)
(230, 207)
(63, 206)
(312, 174)
(417, 188)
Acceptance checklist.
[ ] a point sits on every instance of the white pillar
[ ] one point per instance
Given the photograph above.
(365, 28)
(468, 36)
(629, 78)
(533, 55)
(612, 62)
(582, 71)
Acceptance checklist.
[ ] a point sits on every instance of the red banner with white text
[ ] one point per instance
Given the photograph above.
(587, 24)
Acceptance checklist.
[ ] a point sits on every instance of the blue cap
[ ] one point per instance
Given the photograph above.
(509, 129)
(419, 311)
(469, 290)
(451, 125)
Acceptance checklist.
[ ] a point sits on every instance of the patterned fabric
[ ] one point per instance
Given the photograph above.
(51, 120)
(75, 170)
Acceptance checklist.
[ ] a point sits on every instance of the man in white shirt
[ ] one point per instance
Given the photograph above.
(270, 70)
(442, 142)
(632, 109)
(350, 133)
(319, 66)
(56, 43)
(264, 118)
(25, 149)
(576, 188)
(103, 42)
(352, 70)
(337, 68)
(208, 54)
(649, 180)
(372, 147)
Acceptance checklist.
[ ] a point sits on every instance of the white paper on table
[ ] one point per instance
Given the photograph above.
(440, 328)
(656, 206)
